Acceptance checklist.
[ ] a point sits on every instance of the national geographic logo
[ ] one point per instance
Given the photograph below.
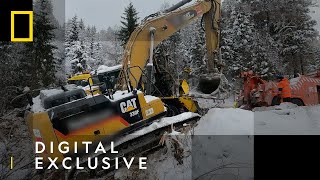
(16, 18)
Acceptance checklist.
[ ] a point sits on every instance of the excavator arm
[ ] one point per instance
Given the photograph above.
(158, 27)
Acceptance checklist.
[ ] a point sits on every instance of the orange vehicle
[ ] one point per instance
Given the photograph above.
(257, 92)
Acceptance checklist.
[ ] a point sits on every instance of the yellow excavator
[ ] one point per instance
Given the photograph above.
(71, 116)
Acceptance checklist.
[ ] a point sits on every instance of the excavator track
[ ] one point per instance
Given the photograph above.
(129, 146)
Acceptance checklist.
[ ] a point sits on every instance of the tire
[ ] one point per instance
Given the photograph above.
(276, 101)
(298, 102)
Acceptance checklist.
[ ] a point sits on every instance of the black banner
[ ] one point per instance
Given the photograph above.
(16, 20)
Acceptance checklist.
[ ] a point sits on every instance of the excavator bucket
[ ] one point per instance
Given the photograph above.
(209, 83)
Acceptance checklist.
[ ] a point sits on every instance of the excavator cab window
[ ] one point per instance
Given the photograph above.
(95, 80)
(84, 83)
(109, 78)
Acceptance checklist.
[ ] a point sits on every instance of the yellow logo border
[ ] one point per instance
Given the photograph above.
(30, 39)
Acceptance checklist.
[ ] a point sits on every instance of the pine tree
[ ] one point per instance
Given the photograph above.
(93, 49)
(317, 54)
(290, 26)
(129, 23)
(10, 82)
(8, 64)
(72, 30)
(314, 63)
(197, 50)
(238, 42)
(38, 63)
(76, 56)
(112, 50)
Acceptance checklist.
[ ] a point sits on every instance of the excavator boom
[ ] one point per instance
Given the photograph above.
(159, 27)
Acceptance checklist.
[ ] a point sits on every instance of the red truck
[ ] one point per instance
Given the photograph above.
(257, 92)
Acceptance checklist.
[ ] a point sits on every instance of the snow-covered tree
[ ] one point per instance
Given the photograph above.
(93, 49)
(8, 65)
(112, 49)
(267, 36)
(238, 41)
(290, 26)
(314, 61)
(76, 56)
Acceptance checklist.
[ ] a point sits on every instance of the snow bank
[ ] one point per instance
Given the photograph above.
(288, 119)
(226, 122)
(285, 119)
(282, 106)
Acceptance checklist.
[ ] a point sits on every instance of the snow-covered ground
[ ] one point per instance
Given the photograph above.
(222, 143)
(219, 147)
(227, 121)
(287, 119)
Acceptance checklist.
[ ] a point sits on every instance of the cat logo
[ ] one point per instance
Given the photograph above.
(128, 106)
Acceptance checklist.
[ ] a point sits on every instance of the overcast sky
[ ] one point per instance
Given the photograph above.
(315, 13)
(105, 13)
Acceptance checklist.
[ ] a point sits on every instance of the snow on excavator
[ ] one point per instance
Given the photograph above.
(72, 116)
(257, 92)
